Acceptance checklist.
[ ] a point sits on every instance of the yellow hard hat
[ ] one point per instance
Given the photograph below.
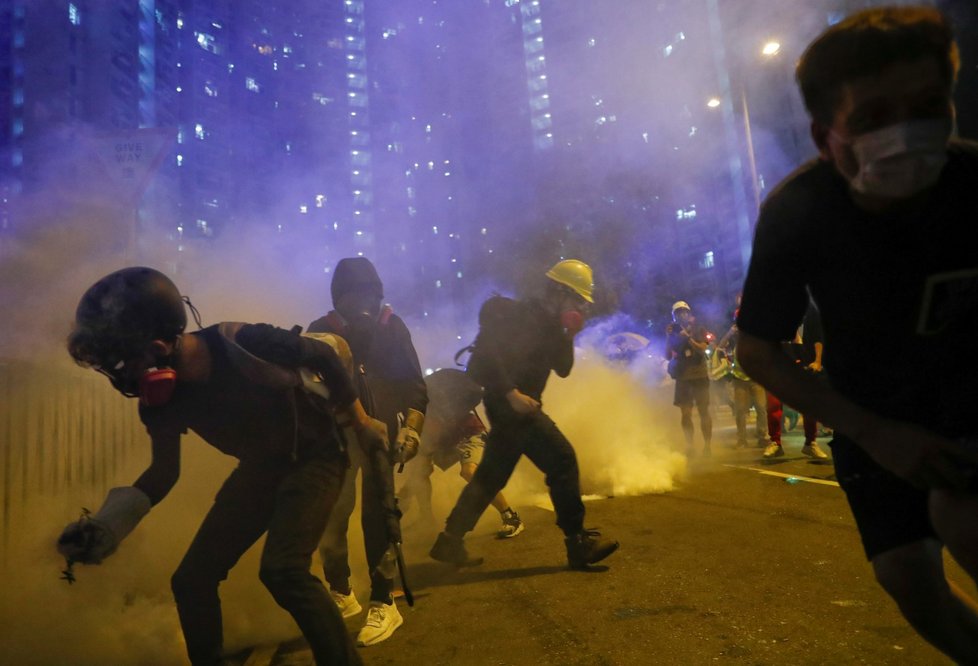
(575, 274)
(680, 305)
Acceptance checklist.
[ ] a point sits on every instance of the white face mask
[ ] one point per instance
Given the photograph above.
(900, 160)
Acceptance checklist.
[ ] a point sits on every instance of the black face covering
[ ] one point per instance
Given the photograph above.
(122, 382)
(360, 330)
(154, 386)
(360, 309)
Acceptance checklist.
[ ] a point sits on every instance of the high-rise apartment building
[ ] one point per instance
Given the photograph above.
(460, 145)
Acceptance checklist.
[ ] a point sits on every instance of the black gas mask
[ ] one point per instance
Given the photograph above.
(360, 311)
(152, 383)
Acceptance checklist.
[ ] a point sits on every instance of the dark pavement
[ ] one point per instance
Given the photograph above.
(741, 564)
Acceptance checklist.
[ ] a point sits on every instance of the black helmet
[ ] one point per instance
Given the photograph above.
(124, 311)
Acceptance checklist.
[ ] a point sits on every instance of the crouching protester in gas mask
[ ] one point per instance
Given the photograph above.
(519, 343)
(390, 383)
(240, 387)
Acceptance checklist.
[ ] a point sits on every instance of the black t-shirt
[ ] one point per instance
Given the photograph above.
(897, 292)
(393, 373)
(811, 334)
(519, 343)
(240, 417)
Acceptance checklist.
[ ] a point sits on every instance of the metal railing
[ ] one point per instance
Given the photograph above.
(62, 428)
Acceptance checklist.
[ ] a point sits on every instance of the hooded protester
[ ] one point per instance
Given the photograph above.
(393, 389)
(519, 343)
(240, 387)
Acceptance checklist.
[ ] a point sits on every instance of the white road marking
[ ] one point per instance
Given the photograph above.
(261, 655)
(806, 479)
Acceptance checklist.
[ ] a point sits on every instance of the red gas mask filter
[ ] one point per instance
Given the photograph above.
(156, 386)
(572, 321)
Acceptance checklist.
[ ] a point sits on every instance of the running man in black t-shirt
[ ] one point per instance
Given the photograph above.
(881, 233)
(520, 343)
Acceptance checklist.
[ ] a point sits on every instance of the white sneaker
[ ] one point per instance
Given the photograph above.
(382, 620)
(346, 603)
(773, 450)
(813, 450)
(512, 525)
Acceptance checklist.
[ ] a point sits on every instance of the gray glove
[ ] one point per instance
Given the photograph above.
(93, 538)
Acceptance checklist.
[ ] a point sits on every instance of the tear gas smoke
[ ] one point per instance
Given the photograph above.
(620, 421)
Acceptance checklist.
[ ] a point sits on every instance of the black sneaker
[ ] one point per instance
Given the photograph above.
(451, 550)
(512, 525)
(587, 547)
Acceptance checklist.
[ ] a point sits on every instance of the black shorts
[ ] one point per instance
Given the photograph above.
(889, 511)
(689, 391)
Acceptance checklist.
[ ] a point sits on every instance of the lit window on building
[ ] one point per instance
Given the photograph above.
(207, 42)
(179, 160)
(210, 89)
(252, 85)
(707, 260)
(320, 200)
(303, 209)
(18, 127)
(686, 213)
(199, 131)
(179, 23)
(74, 15)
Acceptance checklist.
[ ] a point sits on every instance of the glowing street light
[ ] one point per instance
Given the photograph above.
(771, 48)
(713, 102)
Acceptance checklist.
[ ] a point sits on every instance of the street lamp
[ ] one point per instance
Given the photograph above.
(713, 102)
(771, 48)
